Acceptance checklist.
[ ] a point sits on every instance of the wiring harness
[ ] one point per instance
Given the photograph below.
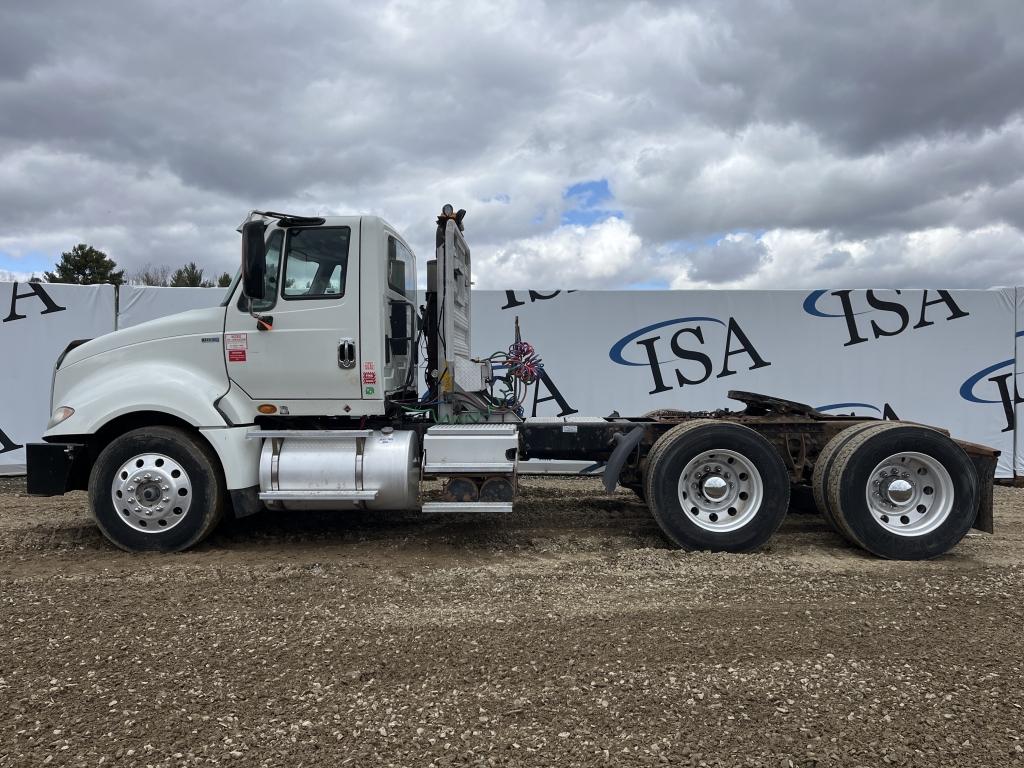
(512, 372)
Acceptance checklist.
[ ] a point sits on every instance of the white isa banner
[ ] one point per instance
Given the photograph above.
(946, 358)
(939, 357)
(38, 322)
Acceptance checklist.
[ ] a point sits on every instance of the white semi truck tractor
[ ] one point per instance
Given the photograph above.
(302, 390)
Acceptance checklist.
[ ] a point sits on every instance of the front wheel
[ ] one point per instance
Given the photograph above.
(716, 486)
(156, 488)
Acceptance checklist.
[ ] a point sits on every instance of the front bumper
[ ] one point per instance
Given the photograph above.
(56, 468)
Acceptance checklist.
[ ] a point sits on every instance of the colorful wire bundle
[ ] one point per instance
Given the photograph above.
(514, 370)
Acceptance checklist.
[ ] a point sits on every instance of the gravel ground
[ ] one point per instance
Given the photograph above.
(567, 633)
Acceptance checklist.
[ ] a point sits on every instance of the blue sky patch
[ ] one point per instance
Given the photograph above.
(588, 194)
(30, 262)
(586, 199)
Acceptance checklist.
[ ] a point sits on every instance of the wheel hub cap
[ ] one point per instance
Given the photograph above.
(898, 491)
(151, 492)
(714, 488)
(720, 490)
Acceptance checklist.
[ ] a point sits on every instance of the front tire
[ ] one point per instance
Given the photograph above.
(716, 486)
(156, 488)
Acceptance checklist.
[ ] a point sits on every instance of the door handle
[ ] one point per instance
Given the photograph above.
(347, 353)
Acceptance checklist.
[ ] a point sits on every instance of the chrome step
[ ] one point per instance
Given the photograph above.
(332, 495)
(479, 468)
(501, 507)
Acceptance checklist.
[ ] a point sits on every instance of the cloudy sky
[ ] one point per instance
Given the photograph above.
(595, 144)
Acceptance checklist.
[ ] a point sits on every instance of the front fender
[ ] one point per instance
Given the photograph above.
(182, 376)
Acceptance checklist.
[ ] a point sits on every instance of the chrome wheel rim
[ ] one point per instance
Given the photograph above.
(151, 492)
(910, 494)
(720, 490)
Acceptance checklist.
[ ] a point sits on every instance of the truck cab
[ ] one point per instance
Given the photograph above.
(333, 333)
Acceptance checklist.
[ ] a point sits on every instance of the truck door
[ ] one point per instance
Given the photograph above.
(312, 294)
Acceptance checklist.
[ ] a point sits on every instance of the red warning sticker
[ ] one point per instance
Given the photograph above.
(369, 372)
(236, 355)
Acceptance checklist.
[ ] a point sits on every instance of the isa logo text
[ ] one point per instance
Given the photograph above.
(687, 351)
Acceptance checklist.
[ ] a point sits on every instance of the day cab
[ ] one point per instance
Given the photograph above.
(166, 406)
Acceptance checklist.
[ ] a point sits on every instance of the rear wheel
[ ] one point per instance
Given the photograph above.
(716, 486)
(903, 491)
(822, 470)
(156, 488)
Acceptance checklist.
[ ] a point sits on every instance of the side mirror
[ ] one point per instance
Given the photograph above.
(254, 259)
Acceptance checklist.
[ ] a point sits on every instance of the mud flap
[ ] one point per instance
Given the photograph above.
(986, 466)
(626, 444)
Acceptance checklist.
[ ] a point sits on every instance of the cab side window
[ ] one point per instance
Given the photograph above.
(316, 263)
(401, 268)
(270, 280)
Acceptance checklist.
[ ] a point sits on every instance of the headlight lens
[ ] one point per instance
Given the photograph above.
(61, 413)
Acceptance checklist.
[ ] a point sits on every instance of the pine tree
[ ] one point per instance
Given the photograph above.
(189, 276)
(224, 280)
(84, 265)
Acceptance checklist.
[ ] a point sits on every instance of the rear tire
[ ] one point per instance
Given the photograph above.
(822, 471)
(904, 492)
(716, 486)
(156, 488)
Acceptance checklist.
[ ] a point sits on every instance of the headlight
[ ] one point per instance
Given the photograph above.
(61, 413)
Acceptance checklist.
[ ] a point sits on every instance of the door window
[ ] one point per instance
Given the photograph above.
(316, 263)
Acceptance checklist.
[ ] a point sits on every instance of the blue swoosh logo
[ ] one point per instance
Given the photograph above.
(616, 351)
(967, 388)
(845, 406)
(811, 306)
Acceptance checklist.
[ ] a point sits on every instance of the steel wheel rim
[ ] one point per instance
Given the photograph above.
(910, 494)
(152, 493)
(720, 490)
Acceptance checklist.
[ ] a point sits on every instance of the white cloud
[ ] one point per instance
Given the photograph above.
(7, 276)
(936, 257)
(868, 145)
(601, 255)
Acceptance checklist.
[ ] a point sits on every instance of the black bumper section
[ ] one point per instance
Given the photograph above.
(56, 468)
